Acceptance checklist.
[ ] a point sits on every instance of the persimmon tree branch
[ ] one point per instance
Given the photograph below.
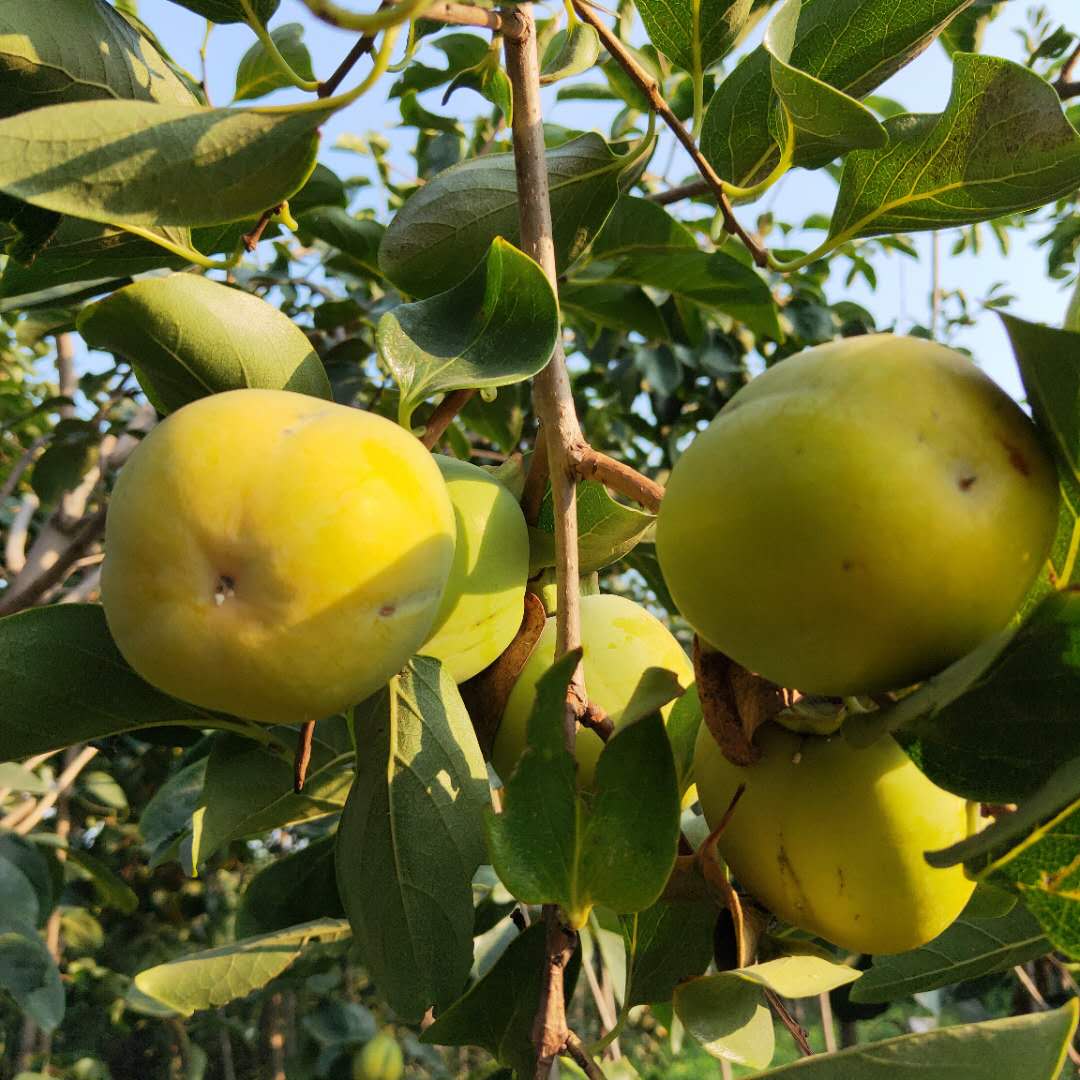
(443, 416)
(651, 88)
(1067, 85)
(677, 194)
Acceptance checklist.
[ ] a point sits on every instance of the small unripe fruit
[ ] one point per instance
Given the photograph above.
(380, 1059)
(858, 517)
(619, 640)
(831, 838)
(275, 556)
(482, 606)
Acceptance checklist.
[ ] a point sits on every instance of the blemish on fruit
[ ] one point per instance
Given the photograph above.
(387, 610)
(847, 565)
(226, 587)
(1016, 458)
(840, 877)
(965, 482)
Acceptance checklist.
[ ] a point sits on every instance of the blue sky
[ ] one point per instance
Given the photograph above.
(903, 285)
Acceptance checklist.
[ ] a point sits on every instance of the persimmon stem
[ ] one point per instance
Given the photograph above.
(575, 1050)
(651, 88)
(303, 755)
(591, 464)
(789, 1021)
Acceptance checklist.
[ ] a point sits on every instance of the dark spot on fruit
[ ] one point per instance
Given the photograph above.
(226, 587)
(840, 877)
(387, 610)
(847, 565)
(965, 482)
(1016, 459)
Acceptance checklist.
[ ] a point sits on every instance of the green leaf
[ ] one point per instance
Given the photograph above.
(851, 45)
(411, 838)
(217, 976)
(1029, 1047)
(976, 739)
(78, 50)
(230, 11)
(486, 78)
(968, 949)
(167, 816)
(66, 459)
(1045, 870)
(446, 226)
(683, 724)
(607, 530)
(1049, 362)
(694, 33)
(498, 1011)
(323, 188)
(614, 846)
(498, 326)
(294, 889)
(31, 228)
(65, 682)
(248, 789)
(356, 238)
(729, 1018)
(15, 777)
(140, 164)
(26, 856)
(642, 244)
(1002, 145)
(570, 52)
(462, 51)
(111, 889)
(187, 336)
(20, 908)
(258, 74)
(965, 33)
(29, 975)
(667, 944)
(821, 121)
(615, 307)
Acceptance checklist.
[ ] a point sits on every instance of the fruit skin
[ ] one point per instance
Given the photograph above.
(858, 517)
(380, 1059)
(831, 838)
(484, 599)
(275, 556)
(620, 639)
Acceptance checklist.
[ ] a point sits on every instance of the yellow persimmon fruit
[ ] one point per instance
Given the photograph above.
(619, 641)
(858, 517)
(831, 838)
(482, 606)
(275, 556)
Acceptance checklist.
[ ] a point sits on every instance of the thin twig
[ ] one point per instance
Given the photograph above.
(789, 1022)
(536, 480)
(827, 1024)
(364, 44)
(1041, 1003)
(593, 465)
(467, 15)
(251, 239)
(20, 466)
(26, 822)
(303, 755)
(575, 1049)
(677, 194)
(1066, 85)
(651, 88)
(443, 416)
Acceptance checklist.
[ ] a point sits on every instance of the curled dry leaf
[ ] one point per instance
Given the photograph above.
(485, 694)
(734, 702)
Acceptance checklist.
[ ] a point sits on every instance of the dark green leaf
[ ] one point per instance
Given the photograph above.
(248, 789)
(694, 33)
(445, 228)
(77, 50)
(258, 74)
(217, 976)
(32, 229)
(294, 889)
(112, 890)
(141, 164)
(968, 949)
(667, 944)
(411, 838)
(614, 845)
(65, 461)
(356, 238)
(230, 11)
(29, 975)
(1020, 1047)
(1001, 145)
(462, 51)
(497, 1013)
(498, 326)
(323, 188)
(20, 908)
(965, 33)
(616, 307)
(167, 816)
(187, 336)
(65, 682)
(851, 45)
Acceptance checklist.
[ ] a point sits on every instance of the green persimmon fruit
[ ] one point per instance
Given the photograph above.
(482, 606)
(858, 517)
(274, 555)
(831, 838)
(619, 641)
(380, 1059)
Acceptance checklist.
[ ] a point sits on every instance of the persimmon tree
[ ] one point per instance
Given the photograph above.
(233, 893)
